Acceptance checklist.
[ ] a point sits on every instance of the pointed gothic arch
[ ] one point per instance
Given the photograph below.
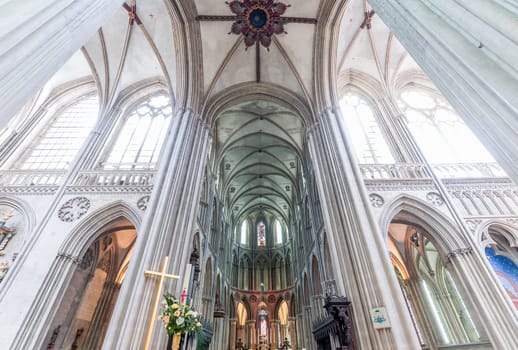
(315, 276)
(207, 279)
(70, 255)
(406, 208)
(18, 218)
(420, 239)
(499, 242)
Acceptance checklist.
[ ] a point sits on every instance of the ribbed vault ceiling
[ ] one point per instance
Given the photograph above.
(258, 143)
(259, 150)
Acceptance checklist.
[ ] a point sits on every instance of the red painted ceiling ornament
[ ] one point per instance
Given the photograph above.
(257, 20)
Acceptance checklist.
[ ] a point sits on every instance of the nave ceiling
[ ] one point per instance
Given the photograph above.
(258, 142)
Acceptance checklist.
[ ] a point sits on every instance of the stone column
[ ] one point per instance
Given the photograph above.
(317, 304)
(217, 338)
(232, 339)
(469, 49)
(168, 221)
(253, 332)
(207, 306)
(300, 330)
(103, 310)
(37, 38)
(483, 295)
(493, 313)
(292, 328)
(273, 335)
(414, 296)
(355, 243)
(309, 342)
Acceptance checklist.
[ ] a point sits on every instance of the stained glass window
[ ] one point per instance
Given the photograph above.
(261, 234)
(507, 272)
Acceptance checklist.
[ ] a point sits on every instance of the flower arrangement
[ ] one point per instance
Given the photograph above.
(178, 318)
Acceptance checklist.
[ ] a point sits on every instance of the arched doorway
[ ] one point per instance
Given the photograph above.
(85, 311)
(435, 303)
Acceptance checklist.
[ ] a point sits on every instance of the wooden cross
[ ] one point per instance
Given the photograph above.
(161, 276)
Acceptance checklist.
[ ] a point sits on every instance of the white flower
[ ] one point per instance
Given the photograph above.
(180, 320)
(195, 314)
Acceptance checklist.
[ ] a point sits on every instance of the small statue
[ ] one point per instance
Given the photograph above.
(286, 344)
(239, 345)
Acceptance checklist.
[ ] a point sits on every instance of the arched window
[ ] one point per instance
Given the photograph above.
(59, 143)
(242, 314)
(503, 257)
(440, 133)
(278, 232)
(261, 234)
(244, 232)
(367, 138)
(140, 140)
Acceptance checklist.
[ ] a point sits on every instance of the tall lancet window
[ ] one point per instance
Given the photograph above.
(63, 137)
(278, 232)
(363, 128)
(261, 234)
(140, 140)
(244, 232)
(440, 133)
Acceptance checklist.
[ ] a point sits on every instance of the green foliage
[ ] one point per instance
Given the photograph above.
(178, 318)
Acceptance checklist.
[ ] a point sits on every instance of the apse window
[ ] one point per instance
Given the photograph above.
(278, 232)
(261, 234)
(244, 233)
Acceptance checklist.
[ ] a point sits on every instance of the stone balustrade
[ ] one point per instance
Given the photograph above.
(418, 171)
(468, 170)
(393, 171)
(114, 178)
(24, 178)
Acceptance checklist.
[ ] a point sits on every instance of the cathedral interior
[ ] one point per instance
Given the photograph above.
(310, 175)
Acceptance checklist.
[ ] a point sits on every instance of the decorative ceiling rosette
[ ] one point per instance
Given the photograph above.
(258, 20)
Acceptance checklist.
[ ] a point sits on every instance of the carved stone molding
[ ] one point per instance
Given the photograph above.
(376, 200)
(73, 209)
(458, 252)
(399, 185)
(142, 202)
(109, 189)
(74, 259)
(40, 190)
(472, 224)
(434, 198)
(87, 260)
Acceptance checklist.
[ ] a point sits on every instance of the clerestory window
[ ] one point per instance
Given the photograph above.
(65, 134)
(142, 136)
(363, 128)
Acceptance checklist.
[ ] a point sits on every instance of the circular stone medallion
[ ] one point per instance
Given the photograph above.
(73, 209)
